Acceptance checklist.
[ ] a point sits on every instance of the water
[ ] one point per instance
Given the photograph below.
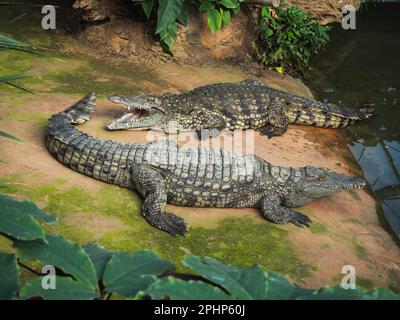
(362, 68)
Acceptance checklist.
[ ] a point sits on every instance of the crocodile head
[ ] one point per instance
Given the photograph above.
(319, 182)
(144, 112)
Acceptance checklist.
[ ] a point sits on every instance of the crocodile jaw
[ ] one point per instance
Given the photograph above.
(136, 119)
(322, 183)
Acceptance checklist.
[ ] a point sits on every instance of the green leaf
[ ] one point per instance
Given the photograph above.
(381, 294)
(9, 136)
(279, 288)
(265, 12)
(12, 77)
(246, 283)
(178, 289)
(16, 220)
(10, 43)
(206, 6)
(183, 17)
(9, 276)
(230, 4)
(32, 209)
(61, 253)
(66, 289)
(335, 293)
(214, 20)
(168, 36)
(168, 11)
(226, 16)
(99, 257)
(147, 7)
(127, 274)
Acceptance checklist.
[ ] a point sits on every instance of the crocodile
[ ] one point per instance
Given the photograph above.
(163, 172)
(249, 104)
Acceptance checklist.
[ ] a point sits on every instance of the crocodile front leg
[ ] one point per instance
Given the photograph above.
(272, 210)
(278, 123)
(151, 185)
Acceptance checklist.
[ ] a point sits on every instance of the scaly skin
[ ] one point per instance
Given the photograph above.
(197, 177)
(246, 105)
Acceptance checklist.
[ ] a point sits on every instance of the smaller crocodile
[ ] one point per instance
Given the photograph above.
(162, 172)
(249, 104)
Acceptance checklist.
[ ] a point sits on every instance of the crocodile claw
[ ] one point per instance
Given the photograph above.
(300, 219)
(174, 225)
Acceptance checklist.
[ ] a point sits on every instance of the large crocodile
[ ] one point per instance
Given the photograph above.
(164, 173)
(249, 104)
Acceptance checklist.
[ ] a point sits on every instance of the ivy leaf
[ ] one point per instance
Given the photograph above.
(230, 4)
(205, 6)
(99, 257)
(66, 289)
(31, 208)
(279, 288)
(178, 289)
(168, 11)
(168, 36)
(9, 276)
(243, 284)
(147, 7)
(16, 219)
(214, 20)
(183, 17)
(226, 16)
(127, 274)
(61, 253)
(381, 294)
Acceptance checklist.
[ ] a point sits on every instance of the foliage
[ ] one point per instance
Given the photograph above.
(170, 12)
(7, 135)
(92, 272)
(288, 39)
(9, 43)
(219, 12)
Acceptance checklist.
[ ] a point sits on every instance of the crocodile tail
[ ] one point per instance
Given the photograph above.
(325, 115)
(79, 112)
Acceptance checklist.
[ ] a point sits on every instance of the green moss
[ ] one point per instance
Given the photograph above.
(317, 228)
(6, 245)
(325, 246)
(12, 99)
(242, 242)
(16, 114)
(360, 250)
(354, 221)
(355, 195)
(365, 283)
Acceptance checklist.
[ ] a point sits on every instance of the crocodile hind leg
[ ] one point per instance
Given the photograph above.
(278, 123)
(272, 210)
(151, 185)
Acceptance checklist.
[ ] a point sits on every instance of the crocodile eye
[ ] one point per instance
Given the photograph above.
(322, 177)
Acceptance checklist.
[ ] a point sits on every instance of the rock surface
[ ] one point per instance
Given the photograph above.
(345, 231)
(112, 29)
(346, 228)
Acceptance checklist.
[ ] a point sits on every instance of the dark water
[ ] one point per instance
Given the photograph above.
(362, 67)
